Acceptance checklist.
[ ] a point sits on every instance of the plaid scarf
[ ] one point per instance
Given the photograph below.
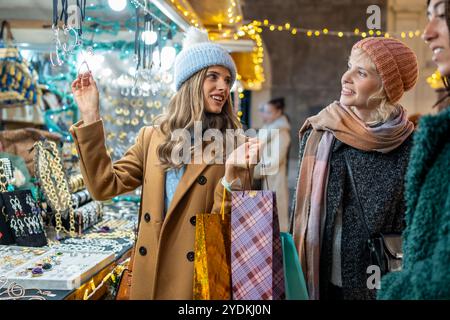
(340, 122)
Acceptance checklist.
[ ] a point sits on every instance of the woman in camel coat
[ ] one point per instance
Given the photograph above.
(172, 194)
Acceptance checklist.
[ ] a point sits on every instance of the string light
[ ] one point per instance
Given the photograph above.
(259, 25)
(435, 80)
(253, 31)
(189, 14)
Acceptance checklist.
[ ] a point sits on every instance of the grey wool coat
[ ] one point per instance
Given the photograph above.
(379, 179)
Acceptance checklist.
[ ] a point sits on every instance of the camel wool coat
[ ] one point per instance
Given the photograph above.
(163, 260)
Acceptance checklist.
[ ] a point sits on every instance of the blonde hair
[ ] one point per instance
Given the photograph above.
(386, 110)
(186, 107)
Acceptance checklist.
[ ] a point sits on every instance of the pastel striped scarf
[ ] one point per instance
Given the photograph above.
(340, 122)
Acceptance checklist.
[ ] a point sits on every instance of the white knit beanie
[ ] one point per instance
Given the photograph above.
(199, 53)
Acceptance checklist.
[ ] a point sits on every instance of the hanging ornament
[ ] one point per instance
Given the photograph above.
(64, 48)
(168, 53)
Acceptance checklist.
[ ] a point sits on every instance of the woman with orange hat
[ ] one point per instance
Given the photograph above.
(353, 158)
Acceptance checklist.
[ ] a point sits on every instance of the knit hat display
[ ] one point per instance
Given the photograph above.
(199, 53)
(395, 62)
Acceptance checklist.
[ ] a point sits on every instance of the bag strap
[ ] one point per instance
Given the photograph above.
(7, 26)
(352, 182)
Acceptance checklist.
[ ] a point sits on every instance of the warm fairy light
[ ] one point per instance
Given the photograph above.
(186, 12)
(435, 80)
(325, 31)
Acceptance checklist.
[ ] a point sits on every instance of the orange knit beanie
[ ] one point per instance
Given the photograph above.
(395, 62)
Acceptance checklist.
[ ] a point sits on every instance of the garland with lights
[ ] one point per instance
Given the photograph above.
(435, 80)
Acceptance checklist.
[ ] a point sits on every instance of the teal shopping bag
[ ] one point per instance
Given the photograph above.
(293, 275)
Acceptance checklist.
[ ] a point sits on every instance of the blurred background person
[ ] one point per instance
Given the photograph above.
(272, 170)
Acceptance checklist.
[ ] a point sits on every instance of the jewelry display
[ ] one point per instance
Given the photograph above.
(5, 174)
(13, 291)
(88, 215)
(24, 218)
(57, 269)
(12, 257)
(80, 198)
(76, 183)
(134, 121)
(139, 112)
(53, 182)
(97, 243)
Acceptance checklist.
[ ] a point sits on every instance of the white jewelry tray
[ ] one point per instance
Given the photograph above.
(74, 269)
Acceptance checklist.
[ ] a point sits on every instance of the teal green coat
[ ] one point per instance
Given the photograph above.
(426, 246)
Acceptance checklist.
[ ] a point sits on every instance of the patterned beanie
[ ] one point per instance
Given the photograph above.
(199, 53)
(395, 62)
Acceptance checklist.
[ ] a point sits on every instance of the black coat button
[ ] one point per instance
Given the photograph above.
(147, 217)
(202, 180)
(193, 220)
(190, 256)
(142, 251)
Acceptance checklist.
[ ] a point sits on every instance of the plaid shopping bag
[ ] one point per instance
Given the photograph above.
(256, 253)
(212, 267)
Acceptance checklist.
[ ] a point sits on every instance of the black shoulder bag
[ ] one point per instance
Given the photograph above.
(385, 249)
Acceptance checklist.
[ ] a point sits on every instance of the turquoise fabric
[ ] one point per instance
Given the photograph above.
(426, 240)
(293, 275)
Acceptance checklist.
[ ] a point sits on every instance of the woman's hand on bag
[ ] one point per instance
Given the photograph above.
(245, 157)
(86, 96)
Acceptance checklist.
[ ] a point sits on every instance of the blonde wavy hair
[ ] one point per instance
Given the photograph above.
(186, 107)
(386, 110)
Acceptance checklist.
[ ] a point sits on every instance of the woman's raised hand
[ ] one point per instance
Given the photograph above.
(245, 157)
(86, 96)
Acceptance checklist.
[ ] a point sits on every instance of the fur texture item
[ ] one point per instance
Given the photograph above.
(194, 36)
(426, 240)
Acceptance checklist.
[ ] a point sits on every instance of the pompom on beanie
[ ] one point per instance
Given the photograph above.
(199, 53)
(395, 62)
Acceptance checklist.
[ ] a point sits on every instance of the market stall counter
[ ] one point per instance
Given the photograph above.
(85, 267)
